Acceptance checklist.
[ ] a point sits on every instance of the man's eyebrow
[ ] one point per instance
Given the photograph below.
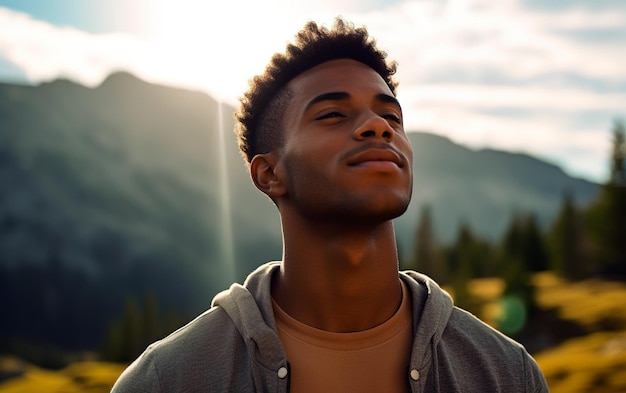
(341, 95)
(331, 96)
(386, 98)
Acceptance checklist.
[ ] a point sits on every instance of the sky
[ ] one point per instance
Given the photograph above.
(542, 77)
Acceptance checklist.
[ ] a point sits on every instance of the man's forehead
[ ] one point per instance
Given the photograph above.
(334, 74)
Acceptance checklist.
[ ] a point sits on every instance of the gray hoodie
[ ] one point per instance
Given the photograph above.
(234, 347)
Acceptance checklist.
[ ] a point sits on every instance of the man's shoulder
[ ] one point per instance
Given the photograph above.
(187, 357)
(460, 328)
(206, 328)
(469, 329)
(471, 348)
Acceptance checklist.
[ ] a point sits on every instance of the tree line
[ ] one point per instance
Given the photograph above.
(582, 242)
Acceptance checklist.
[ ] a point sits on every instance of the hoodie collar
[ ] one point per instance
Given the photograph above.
(432, 308)
(250, 308)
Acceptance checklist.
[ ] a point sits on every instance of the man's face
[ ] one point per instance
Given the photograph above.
(345, 153)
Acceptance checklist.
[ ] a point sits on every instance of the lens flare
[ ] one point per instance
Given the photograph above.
(511, 315)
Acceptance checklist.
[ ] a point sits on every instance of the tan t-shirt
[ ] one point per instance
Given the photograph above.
(374, 360)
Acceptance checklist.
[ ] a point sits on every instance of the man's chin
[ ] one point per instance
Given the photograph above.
(377, 215)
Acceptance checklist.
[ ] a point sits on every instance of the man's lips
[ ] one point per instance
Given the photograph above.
(376, 154)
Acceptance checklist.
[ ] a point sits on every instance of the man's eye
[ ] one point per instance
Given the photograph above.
(392, 117)
(330, 115)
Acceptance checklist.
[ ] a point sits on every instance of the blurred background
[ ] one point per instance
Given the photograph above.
(125, 206)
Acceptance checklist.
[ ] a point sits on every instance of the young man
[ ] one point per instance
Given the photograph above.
(322, 134)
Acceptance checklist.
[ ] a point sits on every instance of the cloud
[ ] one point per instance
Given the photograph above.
(507, 76)
(546, 78)
(44, 52)
(503, 36)
(10, 72)
(557, 6)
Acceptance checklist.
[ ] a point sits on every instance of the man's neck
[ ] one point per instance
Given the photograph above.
(339, 280)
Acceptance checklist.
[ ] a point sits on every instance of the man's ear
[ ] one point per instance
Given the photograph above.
(265, 176)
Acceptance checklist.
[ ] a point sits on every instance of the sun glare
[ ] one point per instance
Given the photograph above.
(218, 49)
(467, 70)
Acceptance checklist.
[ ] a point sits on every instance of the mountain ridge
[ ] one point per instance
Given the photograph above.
(133, 120)
(122, 184)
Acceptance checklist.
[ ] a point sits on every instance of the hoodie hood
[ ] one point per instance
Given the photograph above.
(249, 306)
(432, 308)
(234, 346)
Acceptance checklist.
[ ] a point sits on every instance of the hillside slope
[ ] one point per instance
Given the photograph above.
(120, 190)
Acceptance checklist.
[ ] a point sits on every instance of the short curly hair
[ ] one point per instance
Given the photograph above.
(260, 115)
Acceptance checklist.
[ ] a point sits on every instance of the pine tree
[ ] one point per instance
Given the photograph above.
(426, 258)
(123, 338)
(129, 335)
(512, 263)
(460, 261)
(522, 251)
(151, 321)
(535, 250)
(618, 157)
(132, 330)
(607, 215)
(616, 190)
(566, 242)
(524, 242)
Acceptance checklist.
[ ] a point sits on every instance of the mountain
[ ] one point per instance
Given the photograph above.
(121, 190)
(484, 188)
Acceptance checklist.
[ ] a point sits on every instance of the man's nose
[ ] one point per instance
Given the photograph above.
(373, 126)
